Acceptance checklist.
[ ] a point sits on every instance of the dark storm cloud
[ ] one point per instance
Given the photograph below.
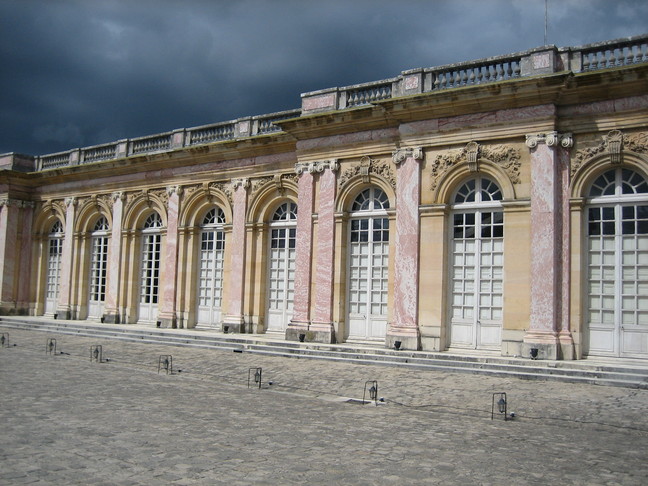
(78, 73)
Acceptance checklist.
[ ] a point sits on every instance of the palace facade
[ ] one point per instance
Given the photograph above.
(498, 205)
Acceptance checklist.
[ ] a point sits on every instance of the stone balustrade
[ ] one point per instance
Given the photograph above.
(539, 61)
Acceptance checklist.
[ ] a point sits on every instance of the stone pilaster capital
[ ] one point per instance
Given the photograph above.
(71, 201)
(317, 166)
(11, 202)
(242, 182)
(401, 155)
(171, 190)
(551, 139)
(118, 195)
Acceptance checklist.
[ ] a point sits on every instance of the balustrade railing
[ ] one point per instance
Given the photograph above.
(151, 144)
(55, 160)
(210, 133)
(95, 154)
(614, 54)
(472, 73)
(266, 123)
(365, 94)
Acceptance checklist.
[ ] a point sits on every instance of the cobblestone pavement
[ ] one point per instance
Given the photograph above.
(66, 420)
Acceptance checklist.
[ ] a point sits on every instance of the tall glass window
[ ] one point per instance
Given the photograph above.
(281, 266)
(98, 267)
(53, 281)
(150, 269)
(617, 264)
(368, 265)
(210, 273)
(477, 266)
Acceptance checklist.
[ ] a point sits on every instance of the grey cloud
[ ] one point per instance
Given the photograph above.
(80, 73)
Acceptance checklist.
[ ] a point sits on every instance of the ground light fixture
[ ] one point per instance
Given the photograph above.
(254, 375)
(499, 402)
(165, 362)
(4, 340)
(372, 390)
(50, 346)
(96, 353)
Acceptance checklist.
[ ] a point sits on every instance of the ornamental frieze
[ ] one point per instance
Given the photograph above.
(506, 157)
(614, 143)
(366, 168)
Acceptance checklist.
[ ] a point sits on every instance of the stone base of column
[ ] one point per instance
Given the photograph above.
(314, 332)
(403, 338)
(541, 345)
(567, 348)
(166, 322)
(63, 314)
(110, 318)
(234, 325)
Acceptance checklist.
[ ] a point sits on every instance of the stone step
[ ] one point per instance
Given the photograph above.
(635, 375)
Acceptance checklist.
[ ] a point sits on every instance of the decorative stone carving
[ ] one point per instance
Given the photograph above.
(508, 158)
(551, 139)
(400, 155)
(118, 195)
(71, 201)
(170, 190)
(614, 143)
(366, 168)
(11, 202)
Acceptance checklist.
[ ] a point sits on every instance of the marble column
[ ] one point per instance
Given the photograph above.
(548, 193)
(167, 315)
(234, 320)
(64, 308)
(9, 209)
(404, 325)
(322, 329)
(303, 254)
(113, 277)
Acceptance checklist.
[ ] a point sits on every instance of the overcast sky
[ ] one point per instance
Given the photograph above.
(75, 73)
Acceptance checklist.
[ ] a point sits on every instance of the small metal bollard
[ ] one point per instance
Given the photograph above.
(96, 353)
(50, 347)
(4, 340)
(258, 372)
(501, 405)
(166, 363)
(373, 391)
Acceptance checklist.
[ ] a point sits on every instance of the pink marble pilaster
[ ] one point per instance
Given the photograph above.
(565, 335)
(9, 209)
(234, 318)
(303, 250)
(167, 315)
(548, 245)
(404, 326)
(25, 254)
(323, 312)
(63, 308)
(111, 310)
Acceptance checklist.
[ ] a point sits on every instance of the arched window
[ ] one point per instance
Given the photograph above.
(281, 266)
(150, 269)
(476, 287)
(98, 268)
(210, 273)
(368, 265)
(617, 264)
(53, 280)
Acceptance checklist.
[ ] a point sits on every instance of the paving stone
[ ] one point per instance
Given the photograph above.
(67, 420)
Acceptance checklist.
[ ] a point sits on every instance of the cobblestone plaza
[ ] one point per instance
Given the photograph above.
(69, 420)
